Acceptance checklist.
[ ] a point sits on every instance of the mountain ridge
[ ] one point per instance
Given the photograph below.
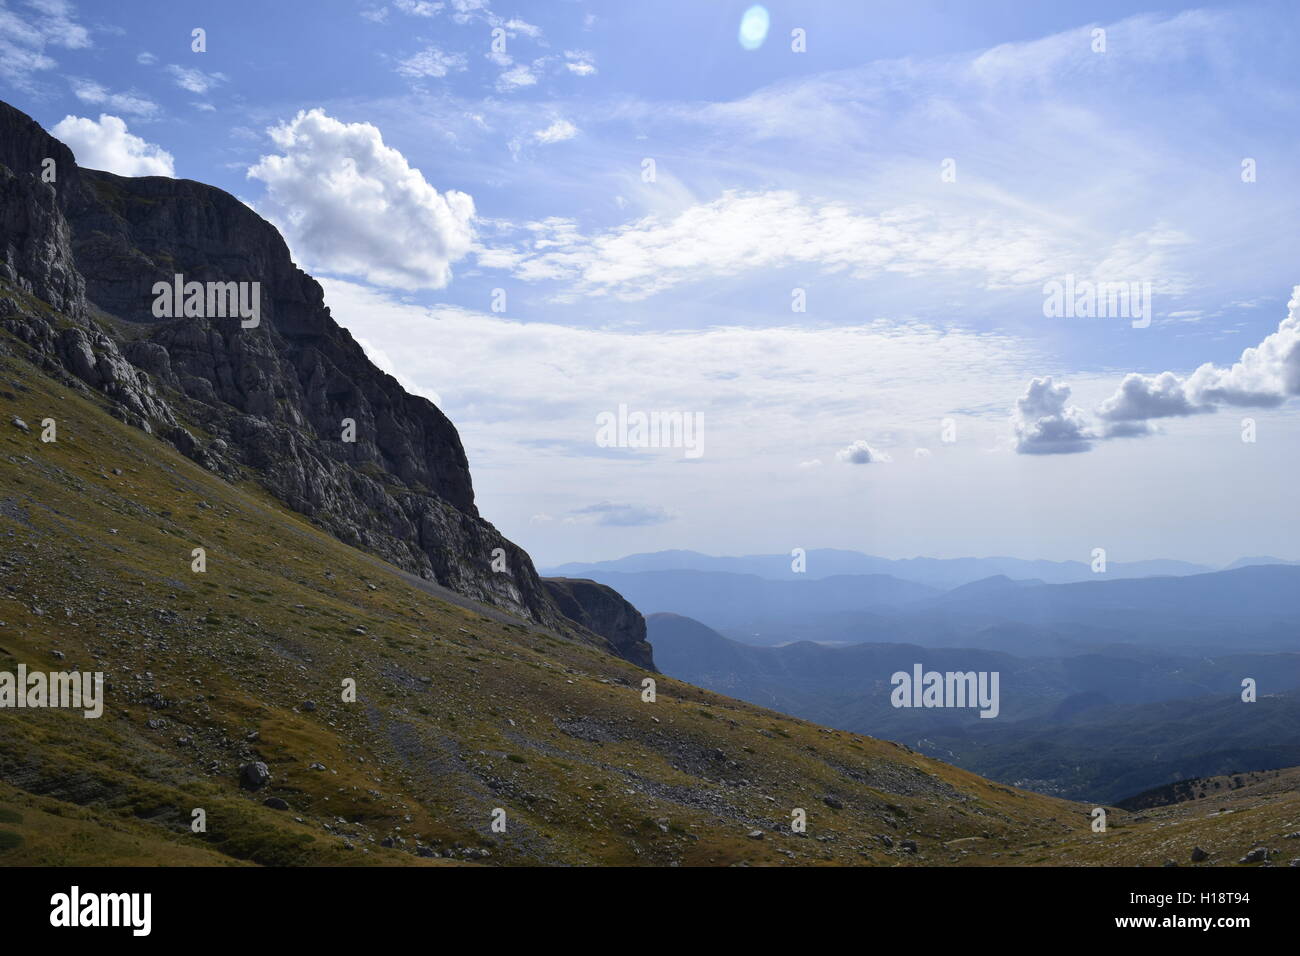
(943, 573)
(1246, 608)
(275, 400)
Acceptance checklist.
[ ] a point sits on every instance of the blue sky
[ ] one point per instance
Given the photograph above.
(921, 171)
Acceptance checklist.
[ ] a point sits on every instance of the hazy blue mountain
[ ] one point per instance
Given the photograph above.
(941, 573)
(752, 605)
(1248, 609)
(1252, 562)
(1110, 753)
(815, 677)
(1249, 597)
(1096, 726)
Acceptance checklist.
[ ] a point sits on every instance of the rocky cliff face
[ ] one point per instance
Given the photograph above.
(602, 610)
(36, 250)
(79, 258)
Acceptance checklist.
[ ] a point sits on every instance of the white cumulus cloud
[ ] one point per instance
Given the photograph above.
(1265, 376)
(1141, 397)
(107, 145)
(1044, 422)
(860, 453)
(354, 206)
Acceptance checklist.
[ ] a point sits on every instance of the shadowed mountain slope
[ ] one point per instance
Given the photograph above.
(276, 402)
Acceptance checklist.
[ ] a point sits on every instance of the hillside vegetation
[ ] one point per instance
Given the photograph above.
(458, 711)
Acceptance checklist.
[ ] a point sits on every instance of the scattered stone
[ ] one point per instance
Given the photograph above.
(756, 834)
(908, 846)
(1256, 855)
(19, 424)
(309, 705)
(833, 802)
(275, 803)
(254, 776)
(1198, 854)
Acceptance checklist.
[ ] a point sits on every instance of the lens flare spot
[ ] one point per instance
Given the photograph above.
(753, 27)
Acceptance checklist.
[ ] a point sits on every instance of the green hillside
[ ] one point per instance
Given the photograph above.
(457, 713)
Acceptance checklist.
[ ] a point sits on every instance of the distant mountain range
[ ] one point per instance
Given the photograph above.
(1111, 683)
(1098, 726)
(748, 604)
(1249, 608)
(942, 573)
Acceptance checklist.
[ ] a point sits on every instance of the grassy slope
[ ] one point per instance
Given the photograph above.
(457, 713)
(1227, 823)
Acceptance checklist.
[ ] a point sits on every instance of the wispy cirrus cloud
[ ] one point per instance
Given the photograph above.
(580, 62)
(195, 80)
(748, 232)
(132, 104)
(557, 132)
(432, 62)
(515, 77)
(28, 34)
(619, 515)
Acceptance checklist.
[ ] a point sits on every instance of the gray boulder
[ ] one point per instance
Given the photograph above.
(254, 776)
